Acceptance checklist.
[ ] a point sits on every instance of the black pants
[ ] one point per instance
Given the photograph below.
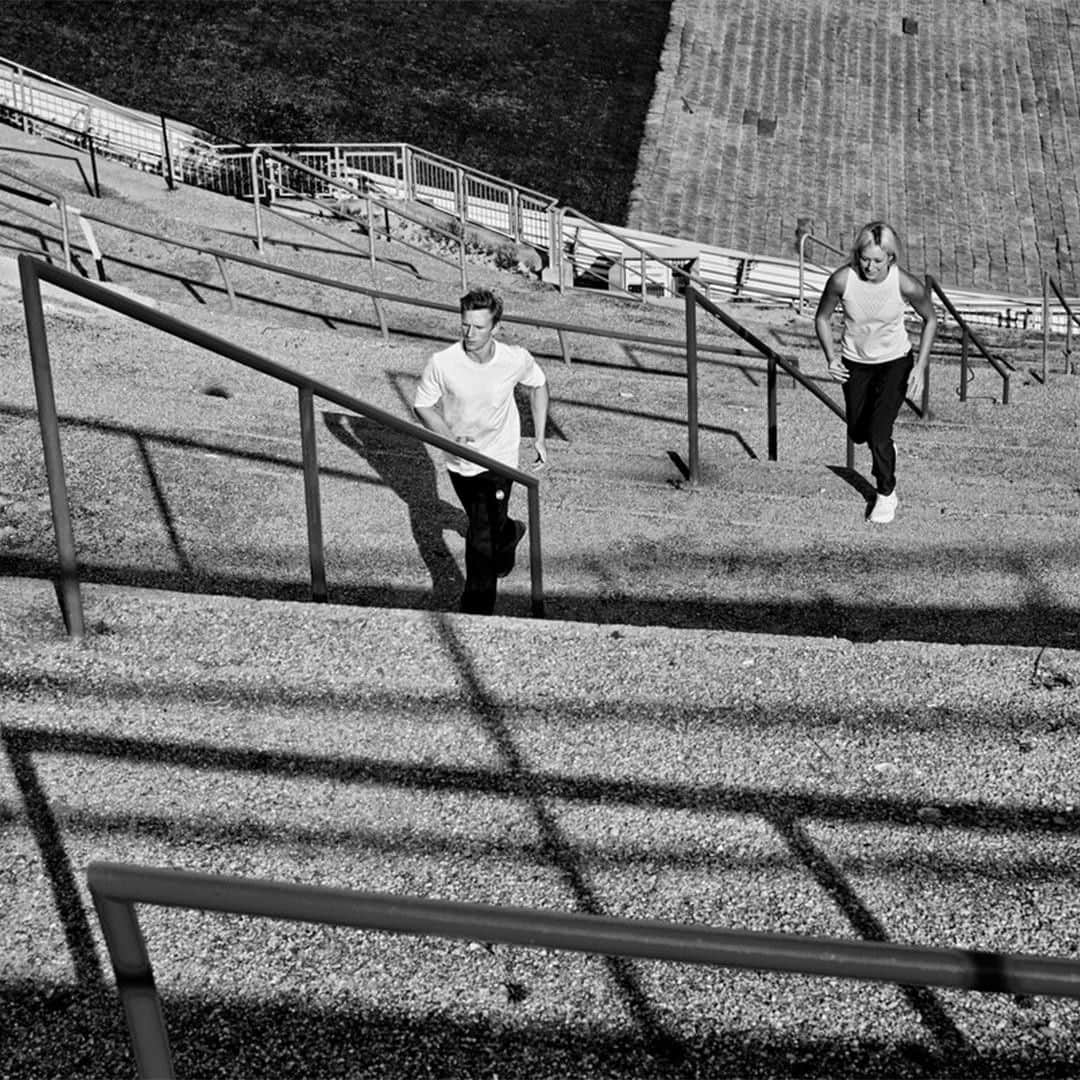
(873, 395)
(491, 539)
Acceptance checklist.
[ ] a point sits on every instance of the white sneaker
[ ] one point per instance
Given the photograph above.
(884, 509)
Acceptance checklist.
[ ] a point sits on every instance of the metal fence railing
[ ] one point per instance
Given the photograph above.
(116, 888)
(775, 363)
(1070, 316)
(33, 271)
(968, 337)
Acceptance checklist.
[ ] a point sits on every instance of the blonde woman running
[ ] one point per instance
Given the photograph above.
(874, 360)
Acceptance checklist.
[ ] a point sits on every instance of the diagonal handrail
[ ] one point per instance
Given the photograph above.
(968, 337)
(1051, 284)
(117, 887)
(59, 201)
(32, 271)
(693, 300)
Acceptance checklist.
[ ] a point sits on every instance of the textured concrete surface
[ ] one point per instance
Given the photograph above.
(959, 122)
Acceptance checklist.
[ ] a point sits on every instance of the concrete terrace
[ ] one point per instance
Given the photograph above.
(959, 122)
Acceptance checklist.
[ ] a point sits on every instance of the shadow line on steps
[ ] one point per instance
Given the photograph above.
(216, 1035)
(510, 779)
(1038, 623)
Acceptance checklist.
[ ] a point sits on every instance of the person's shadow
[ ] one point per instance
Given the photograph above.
(405, 467)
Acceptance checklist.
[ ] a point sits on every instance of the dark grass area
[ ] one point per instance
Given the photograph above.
(551, 94)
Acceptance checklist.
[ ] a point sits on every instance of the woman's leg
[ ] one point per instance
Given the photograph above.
(886, 398)
(858, 400)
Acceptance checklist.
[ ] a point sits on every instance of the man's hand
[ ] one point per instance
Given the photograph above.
(541, 453)
(838, 370)
(915, 382)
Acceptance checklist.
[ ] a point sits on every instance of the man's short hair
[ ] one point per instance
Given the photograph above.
(483, 300)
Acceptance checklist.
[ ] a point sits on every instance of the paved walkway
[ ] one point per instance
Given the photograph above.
(959, 122)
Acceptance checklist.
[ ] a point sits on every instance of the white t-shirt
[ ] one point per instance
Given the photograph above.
(477, 399)
(874, 329)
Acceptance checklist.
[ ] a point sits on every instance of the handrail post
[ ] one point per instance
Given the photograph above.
(963, 363)
(1045, 320)
(93, 164)
(1068, 341)
(770, 379)
(166, 157)
(556, 215)
(65, 234)
(134, 983)
(312, 502)
(228, 281)
(802, 269)
(693, 456)
(49, 422)
(371, 240)
(536, 562)
(255, 200)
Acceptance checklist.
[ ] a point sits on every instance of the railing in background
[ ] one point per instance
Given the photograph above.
(55, 132)
(694, 300)
(58, 201)
(33, 271)
(1050, 284)
(804, 236)
(117, 887)
(968, 337)
(303, 176)
(185, 153)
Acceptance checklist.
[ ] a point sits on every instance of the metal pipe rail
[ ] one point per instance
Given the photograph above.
(58, 201)
(774, 359)
(32, 271)
(968, 336)
(378, 295)
(116, 888)
(805, 237)
(65, 134)
(1050, 283)
(673, 266)
(372, 200)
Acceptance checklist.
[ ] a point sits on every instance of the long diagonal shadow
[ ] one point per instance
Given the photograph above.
(555, 846)
(923, 1000)
(162, 505)
(69, 906)
(404, 466)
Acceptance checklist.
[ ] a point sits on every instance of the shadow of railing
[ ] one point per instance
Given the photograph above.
(509, 777)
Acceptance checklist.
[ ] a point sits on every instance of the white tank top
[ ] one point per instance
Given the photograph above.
(874, 331)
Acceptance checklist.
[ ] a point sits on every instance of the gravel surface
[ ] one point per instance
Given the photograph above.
(895, 765)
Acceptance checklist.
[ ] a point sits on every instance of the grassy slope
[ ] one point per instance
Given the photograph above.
(551, 95)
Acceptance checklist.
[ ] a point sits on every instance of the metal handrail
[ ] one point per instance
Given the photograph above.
(116, 888)
(1071, 316)
(968, 336)
(378, 295)
(672, 265)
(372, 200)
(805, 237)
(68, 135)
(774, 359)
(33, 270)
(61, 204)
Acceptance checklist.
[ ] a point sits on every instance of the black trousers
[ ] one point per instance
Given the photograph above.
(490, 540)
(873, 395)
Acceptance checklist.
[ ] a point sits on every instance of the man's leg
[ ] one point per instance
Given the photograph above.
(484, 498)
